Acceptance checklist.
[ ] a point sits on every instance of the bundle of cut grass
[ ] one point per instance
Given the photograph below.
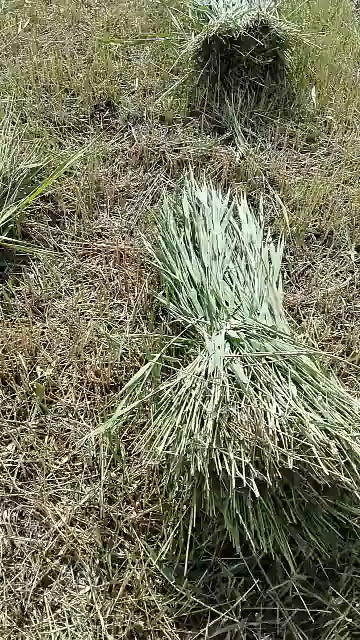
(240, 45)
(242, 420)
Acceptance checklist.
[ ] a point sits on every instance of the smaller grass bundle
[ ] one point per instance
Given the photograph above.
(241, 419)
(18, 168)
(24, 175)
(240, 46)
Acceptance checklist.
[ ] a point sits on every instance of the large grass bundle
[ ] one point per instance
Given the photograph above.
(239, 45)
(243, 422)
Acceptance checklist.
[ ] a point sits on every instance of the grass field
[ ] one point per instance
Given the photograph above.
(78, 514)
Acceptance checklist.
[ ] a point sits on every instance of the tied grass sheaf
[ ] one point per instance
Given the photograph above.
(233, 49)
(239, 45)
(242, 421)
